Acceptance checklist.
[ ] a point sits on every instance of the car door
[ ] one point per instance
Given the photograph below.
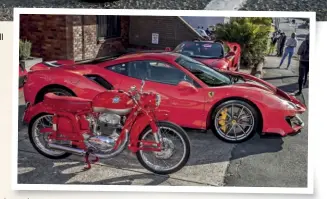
(186, 108)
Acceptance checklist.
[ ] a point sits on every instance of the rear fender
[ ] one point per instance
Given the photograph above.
(34, 110)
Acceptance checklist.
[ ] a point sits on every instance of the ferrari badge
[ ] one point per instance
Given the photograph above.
(211, 94)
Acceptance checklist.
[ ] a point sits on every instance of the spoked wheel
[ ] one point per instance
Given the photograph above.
(175, 153)
(235, 121)
(40, 140)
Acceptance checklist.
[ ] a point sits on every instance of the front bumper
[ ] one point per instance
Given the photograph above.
(295, 122)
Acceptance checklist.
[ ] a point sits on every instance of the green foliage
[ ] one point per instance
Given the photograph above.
(252, 33)
(25, 48)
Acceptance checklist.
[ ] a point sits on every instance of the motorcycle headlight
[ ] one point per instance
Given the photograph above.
(158, 100)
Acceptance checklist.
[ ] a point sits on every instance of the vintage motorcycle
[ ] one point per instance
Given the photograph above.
(105, 126)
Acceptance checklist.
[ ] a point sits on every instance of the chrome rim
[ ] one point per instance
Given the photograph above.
(41, 139)
(234, 122)
(173, 153)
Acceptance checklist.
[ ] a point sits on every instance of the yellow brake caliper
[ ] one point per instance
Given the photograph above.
(222, 120)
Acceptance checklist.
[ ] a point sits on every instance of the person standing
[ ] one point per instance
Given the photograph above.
(282, 43)
(291, 44)
(303, 52)
(208, 31)
(278, 42)
(272, 44)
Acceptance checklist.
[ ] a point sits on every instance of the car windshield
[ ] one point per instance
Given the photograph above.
(201, 50)
(206, 74)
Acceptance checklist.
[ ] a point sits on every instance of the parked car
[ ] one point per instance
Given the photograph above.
(216, 54)
(22, 75)
(233, 105)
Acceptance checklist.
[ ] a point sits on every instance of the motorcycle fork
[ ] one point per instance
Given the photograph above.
(140, 120)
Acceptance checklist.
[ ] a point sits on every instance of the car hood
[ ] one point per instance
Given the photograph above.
(244, 80)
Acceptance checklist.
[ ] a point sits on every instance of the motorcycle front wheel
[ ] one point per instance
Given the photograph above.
(175, 153)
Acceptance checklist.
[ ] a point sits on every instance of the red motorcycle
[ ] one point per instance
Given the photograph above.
(105, 126)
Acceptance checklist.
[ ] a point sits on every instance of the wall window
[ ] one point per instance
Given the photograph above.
(108, 26)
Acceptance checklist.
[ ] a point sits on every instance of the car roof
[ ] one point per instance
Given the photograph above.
(150, 55)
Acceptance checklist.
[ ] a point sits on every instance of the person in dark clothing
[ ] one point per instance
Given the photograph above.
(282, 44)
(208, 31)
(304, 64)
(272, 45)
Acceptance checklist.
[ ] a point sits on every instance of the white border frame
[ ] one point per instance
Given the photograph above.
(125, 188)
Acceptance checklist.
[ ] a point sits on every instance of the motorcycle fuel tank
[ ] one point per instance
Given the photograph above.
(113, 102)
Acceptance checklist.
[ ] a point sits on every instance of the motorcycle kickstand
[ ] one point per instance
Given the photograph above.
(88, 162)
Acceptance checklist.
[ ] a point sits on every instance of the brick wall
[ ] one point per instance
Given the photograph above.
(69, 37)
(172, 31)
(86, 44)
(48, 34)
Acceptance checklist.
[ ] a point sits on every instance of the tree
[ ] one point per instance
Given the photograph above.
(252, 33)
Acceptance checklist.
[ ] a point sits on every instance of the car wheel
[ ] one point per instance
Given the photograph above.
(234, 121)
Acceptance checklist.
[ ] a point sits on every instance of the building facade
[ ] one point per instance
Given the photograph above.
(82, 37)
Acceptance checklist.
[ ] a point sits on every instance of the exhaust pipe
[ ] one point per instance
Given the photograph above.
(67, 149)
(83, 152)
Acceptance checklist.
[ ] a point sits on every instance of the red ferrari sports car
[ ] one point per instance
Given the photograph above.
(216, 54)
(233, 105)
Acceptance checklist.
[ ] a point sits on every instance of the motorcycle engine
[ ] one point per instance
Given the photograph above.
(107, 131)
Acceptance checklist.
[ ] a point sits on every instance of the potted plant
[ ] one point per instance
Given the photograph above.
(25, 58)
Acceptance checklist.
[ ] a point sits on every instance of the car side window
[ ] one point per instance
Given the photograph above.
(149, 70)
(134, 69)
(226, 49)
(165, 73)
(119, 68)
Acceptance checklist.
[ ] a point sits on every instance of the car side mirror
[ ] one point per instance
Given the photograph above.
(186, 87)
(168, 49)
(230, 54)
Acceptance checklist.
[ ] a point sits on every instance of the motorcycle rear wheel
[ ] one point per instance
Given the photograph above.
(39, 140)
(169, 152)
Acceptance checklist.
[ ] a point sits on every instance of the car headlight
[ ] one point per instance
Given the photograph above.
(289, 105)
(158, 100)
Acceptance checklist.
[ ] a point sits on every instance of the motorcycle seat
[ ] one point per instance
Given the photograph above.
(67, 103)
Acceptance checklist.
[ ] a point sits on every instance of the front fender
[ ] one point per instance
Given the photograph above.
(143, 121)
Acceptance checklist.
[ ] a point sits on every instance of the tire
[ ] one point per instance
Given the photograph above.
(63, 92)
(37, 147)
(186, 145)
(235, 123)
